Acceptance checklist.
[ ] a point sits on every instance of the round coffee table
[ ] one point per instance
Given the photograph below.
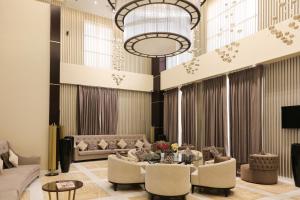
(51, 187)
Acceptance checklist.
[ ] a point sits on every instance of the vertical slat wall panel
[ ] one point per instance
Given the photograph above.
(73, 41)
(281, 88)
(68, 105)
(134, 113)
(268, 9)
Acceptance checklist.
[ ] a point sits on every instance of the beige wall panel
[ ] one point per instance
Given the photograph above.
(261, 47)
(134, 113)
(89, 76)
(281, 88)
(24, 76)
(68, 109)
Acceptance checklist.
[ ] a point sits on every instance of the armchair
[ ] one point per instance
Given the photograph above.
(262, 169)
(219, 176)
(123, 172)
(168, 180)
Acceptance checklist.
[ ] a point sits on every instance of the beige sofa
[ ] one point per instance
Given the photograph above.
(14, 181)
(220, 176)
(93, 140)
(122, 172)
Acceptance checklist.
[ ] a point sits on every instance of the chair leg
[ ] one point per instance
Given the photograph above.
(115, 186)
(193, 188)
(226, 192)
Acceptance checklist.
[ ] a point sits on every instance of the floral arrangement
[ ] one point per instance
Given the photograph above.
(161, 146)
(175, 147)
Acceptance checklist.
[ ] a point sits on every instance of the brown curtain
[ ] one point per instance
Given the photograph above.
(215, 110)
(188, 114)
(171, 115)
(245, 113)
(97, 111)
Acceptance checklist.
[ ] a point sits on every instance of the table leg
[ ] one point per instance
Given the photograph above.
(74, 194)
(49, 195)
(57, 196)
(69, 196)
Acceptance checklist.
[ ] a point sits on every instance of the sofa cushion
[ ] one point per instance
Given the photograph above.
(13, 158)
(102, 144)
(122, 144)
(130, 143)
(112, 144)
(17, 178)
(82, 145)
(139, 144)
(214, 151)
(7, 164)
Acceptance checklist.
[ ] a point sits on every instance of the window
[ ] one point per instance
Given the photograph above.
(230, 20)
(179, 59)
(98, 45)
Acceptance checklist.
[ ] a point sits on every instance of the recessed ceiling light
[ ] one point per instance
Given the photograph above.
(95, 2)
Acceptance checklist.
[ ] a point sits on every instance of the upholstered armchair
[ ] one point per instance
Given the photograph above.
(123, 172)
(262, 169)
(167, 180)
(207, 156)
(220, 176)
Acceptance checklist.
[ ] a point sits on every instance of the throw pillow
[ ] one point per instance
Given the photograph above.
(1, 166)
(130, 144)
(6, 163)
(102, 144)
(139, 144)
(13, 158)
(92, 147)
(214, 152)
(141, 155)
(219, 159)
(122, 144)
(112, 144)
(82, 146)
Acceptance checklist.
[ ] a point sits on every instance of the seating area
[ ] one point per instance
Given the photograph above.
(150, 99)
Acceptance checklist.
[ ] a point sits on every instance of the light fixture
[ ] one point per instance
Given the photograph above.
(156, 28)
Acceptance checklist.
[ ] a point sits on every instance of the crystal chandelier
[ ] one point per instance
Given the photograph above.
(156, 28)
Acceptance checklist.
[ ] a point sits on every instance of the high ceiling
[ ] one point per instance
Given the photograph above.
(97, 7)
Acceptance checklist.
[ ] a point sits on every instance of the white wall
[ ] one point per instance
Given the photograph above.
(24, 76)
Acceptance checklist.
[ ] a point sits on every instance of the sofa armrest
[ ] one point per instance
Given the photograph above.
(34, 160)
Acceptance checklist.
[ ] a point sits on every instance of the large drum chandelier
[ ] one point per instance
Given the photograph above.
(156, 28)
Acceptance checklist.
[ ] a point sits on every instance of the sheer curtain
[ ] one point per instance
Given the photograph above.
(98, 43)
(230, 20)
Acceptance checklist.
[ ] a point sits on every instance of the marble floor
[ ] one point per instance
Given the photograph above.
(94, 176)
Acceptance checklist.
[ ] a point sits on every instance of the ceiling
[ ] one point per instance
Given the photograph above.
(97, 7)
